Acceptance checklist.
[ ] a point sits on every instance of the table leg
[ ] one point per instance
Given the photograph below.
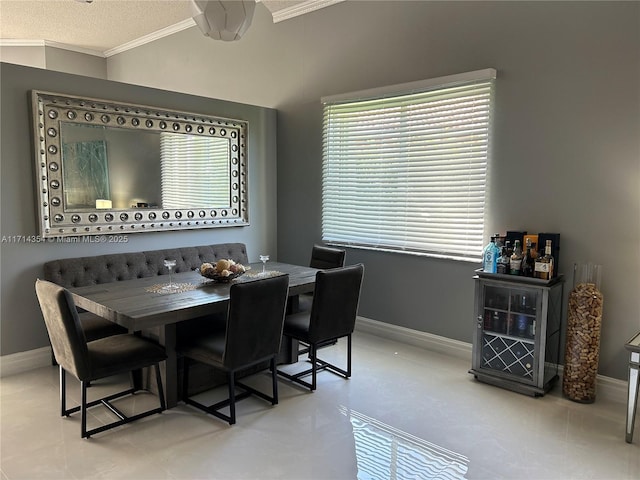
(632, 401)
(165, 336)
(170, 377)
(290, 346)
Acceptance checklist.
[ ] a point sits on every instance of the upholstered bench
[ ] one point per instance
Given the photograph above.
(83, 271)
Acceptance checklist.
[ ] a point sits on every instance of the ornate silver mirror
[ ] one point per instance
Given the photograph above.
(105, 167)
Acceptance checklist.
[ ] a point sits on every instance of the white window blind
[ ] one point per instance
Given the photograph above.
(195, 171)
(404, 168)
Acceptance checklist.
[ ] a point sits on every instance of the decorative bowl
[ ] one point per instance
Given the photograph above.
(216, 277)
(223, 271)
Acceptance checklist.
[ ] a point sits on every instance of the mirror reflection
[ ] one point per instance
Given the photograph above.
(104, 167)
(149, 169)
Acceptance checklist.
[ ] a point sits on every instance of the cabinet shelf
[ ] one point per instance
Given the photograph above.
(517, 339)
(489, 309)
(519, 279)
(511, 337)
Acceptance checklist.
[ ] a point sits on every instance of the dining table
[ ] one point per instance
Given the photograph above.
(146, 306)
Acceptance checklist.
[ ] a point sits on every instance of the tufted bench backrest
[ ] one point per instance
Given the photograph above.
(83, 271)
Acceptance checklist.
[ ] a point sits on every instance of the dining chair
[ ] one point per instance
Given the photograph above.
(324, 258)
(332, 316)
(94, 360)
(251, 337)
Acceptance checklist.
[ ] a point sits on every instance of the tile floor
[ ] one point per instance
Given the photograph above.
(406, 413)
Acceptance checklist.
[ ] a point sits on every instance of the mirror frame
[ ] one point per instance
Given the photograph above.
(50, 110)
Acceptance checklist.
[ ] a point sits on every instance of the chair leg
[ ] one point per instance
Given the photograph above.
(274, 382)
(163, 403)
(63, 393)
(83, 411)
(313, 354)
(85, 405)
(232, 398)
(318, 364)
(348, 355)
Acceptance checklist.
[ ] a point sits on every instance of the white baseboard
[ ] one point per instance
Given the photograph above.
(608, 388)
(416, 338)
(24, 361)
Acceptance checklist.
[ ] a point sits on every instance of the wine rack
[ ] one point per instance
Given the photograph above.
(516, 344)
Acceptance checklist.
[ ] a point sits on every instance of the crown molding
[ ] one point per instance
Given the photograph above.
(158, 34)
(10, 42)
(302, 8)
(279, 16)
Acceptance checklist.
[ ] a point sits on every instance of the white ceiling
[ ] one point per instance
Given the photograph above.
(104, 27)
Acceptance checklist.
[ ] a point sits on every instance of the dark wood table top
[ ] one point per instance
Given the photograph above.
(130, 303)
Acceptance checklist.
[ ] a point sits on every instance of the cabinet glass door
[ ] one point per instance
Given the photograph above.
(509, 331)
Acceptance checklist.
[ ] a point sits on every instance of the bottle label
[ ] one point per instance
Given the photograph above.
(542, 267)
(489, 262)
(516, 265)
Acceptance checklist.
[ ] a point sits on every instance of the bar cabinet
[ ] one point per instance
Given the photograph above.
(516, 343)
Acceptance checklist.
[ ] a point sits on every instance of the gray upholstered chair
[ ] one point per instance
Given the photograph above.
(324, 258)
(251, 337)
(100, 358)
(332, 316)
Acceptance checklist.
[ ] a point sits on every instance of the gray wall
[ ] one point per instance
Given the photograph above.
(566, 153)
(21, 262)
(52, 58)
(62, 60)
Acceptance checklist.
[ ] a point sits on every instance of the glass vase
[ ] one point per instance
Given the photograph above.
(584, 322)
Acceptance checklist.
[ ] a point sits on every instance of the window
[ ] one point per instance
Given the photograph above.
(404, 167)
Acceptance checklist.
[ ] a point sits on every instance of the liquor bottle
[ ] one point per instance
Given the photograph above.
(544, 265)
(515, 267)
(490, 256)
(504, 262)
(528, 263)
(509, 249)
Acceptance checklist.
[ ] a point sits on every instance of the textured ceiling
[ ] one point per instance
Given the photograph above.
(104, 25)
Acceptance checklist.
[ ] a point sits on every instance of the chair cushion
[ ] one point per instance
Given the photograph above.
(121, 353)
(96, 327)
